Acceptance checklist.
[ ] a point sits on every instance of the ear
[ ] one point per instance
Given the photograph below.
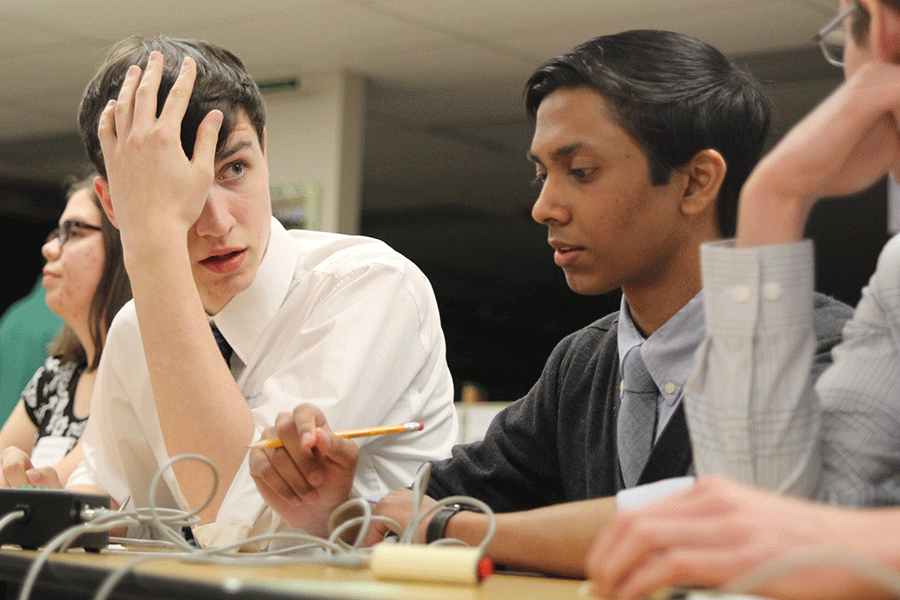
(884, 30)
(705, 172)
(101, 186)
(265, 143)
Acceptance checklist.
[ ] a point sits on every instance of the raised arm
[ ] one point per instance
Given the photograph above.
(753, 411)
(154, 195)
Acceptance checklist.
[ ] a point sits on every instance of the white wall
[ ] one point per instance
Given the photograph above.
(315, 135)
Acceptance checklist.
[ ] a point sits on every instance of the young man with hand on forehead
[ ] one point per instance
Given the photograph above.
(754, 415)
(310, 324)
(642, 141)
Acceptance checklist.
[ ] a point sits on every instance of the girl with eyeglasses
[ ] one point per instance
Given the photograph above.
(86, 284)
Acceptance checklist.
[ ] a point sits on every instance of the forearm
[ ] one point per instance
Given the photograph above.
(846, 540)
(199, 407)
(18, 431)
(767, 215)
(68, 464)
(553, 539)
(843, 146)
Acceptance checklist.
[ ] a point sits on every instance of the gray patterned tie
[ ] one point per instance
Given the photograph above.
(637, 417)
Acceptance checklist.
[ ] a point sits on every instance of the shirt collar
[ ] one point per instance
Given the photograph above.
(669, 351)
(244, 318)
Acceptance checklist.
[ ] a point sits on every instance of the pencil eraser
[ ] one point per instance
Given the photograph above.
(421, 425)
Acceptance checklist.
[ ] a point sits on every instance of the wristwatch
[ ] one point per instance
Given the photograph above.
(438, 523)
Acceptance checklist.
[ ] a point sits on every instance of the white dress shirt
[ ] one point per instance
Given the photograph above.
(341, 321)
(752, 412)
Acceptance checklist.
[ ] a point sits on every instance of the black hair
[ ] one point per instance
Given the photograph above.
(675, 95)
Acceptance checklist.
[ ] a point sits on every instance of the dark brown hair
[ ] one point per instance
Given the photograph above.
(222, 83)
(113, 289)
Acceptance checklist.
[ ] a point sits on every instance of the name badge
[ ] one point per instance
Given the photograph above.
(51, 449)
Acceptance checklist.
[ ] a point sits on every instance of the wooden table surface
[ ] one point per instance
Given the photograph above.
(78, 574)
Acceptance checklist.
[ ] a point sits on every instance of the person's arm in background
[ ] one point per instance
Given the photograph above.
(17, 438)
(18, 431)
(552, 539)
(718, 531)
(752, 409)
(529, 474)
(16, 469)
(67, 465)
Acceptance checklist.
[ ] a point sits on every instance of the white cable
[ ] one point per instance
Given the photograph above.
(60, 541)
(410, 534)
(418, 491)
(110, 581)
(10, 517)
(165, 525)
(364, 522)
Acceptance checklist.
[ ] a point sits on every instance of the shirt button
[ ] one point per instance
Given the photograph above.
(670, 388)
(741, 293)
(771, 290)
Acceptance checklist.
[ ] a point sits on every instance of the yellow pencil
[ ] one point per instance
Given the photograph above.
(351, 433)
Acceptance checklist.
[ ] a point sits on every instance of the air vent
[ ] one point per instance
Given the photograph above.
(286, 84)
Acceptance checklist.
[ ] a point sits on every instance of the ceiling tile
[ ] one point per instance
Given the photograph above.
(444, 66)
(317, 41)
(468, 104)
(114, 19)
(476, 17)
(732, 28)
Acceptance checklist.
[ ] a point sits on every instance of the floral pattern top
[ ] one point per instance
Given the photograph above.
(48, 399)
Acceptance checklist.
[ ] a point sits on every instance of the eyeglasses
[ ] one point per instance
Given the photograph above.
(833, 37)
(64, 231)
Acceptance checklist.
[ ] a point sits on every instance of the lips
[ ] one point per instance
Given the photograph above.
(565, 254)
(225, 261)
(48, 276)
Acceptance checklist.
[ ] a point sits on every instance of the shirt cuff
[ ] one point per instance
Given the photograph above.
(642, 495)
(764, 287)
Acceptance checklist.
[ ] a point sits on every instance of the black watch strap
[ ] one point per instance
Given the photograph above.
(438, 523)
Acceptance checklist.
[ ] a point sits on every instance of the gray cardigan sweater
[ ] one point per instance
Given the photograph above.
(558, 443)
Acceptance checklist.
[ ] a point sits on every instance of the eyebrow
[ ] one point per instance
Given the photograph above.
(560, 152)
(229, 152)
